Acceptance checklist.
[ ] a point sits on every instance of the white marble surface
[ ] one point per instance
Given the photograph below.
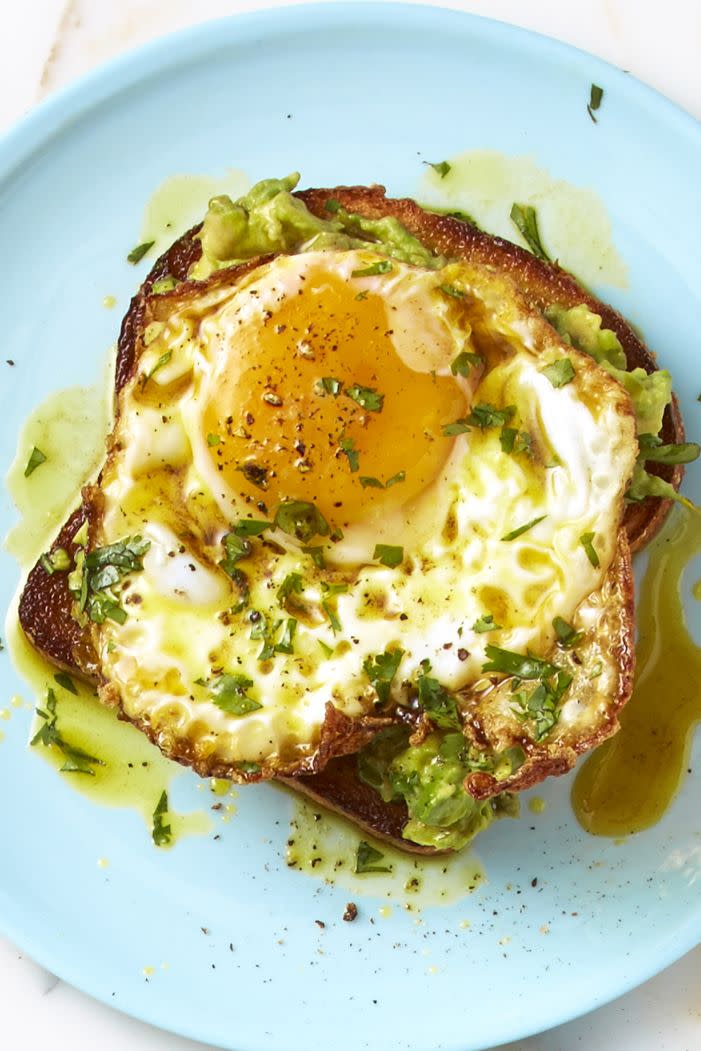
(47, 43)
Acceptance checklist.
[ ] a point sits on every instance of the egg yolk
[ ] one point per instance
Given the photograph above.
(312, 402)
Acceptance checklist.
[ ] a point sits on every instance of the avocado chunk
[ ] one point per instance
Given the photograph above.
(270, 219)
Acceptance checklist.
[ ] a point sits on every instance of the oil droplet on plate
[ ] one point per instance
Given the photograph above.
(627, 784)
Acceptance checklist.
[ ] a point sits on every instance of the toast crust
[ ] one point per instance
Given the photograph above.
(45, 604)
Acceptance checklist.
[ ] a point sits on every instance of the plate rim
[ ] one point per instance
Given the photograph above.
(74, 101)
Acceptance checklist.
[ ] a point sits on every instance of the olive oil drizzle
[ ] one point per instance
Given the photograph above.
(629, 782)
(70, 426)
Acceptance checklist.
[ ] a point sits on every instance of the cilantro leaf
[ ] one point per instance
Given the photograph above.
(383, 266)
(365, 397)
(36, 459)
(332, 614)
(389, 555)
(520, 530)
(161, 363)
(331, 385)
(587, 542)
(515, 441)
(485, 623)
(368, 859)
(64, 680)
(461, 365)
(138, 253)
(161, 832)
(301, 519)
(291, 585)
(251, 527)
(438, 703)
(524, 218)
(347, 446)
(286, 641)
(76, 761)
(235, 548)
(560, 372)
(213, 439)
(596, 94)
(567, 637)
(452, 291)
(228, 692)
(483, 416)
(440, 167)
(381, 669)
(518, 665)
(369, 481)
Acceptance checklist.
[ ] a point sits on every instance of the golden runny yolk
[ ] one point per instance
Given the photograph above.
(282, 435)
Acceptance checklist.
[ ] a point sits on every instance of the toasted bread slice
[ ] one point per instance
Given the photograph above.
(45, 605)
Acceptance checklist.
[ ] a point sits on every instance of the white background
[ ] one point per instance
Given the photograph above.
(45, 44)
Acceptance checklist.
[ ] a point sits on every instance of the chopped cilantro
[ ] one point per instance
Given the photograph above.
(332, 205)
(161, 363)
(66, 682)
(331, 385)
(368, 859)
(461, 365)
(76, 761)
(97, 573)
(518, 665)
(166, 284)
(440, 167)
(540, 706)
(286, 642)
(438, 703)
(213, 439)
(452, 291)
(369, 481)
(160, 831)
(251, 527)
(596, 94)
(235, 548)
(366, 397)
(587, 542)
(485, 623)
(327, 650)
(291, 585)
(228, 692)
(301, 519)
(483, 416)
(515, 441)
(347, 446)
(332, 615)
(520, 530)
(524, 218)
(247, 767)
(389, 555)
(381, 670)
(36, 459)
(138, 253)
(316, 553)
(560, 372)
(567, 637)
(383, 266)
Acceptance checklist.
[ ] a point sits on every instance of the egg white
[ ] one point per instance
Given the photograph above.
(160, 482)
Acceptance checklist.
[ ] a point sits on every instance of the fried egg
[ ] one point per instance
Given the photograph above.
(333, 456)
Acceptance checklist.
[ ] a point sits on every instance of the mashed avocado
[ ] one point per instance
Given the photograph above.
(429, 778)
(650, 394)
(270, 219)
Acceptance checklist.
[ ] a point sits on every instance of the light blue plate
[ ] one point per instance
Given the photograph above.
(369, 91)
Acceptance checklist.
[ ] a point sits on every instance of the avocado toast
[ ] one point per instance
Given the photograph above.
(372, 800)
